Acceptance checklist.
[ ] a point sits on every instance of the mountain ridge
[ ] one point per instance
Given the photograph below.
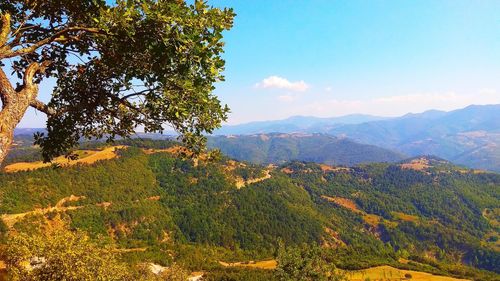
(277, 148)
(468, 136)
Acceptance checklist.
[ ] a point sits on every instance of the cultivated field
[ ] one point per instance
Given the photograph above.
(417, 164)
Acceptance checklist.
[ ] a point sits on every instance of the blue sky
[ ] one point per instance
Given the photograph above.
(330, 58)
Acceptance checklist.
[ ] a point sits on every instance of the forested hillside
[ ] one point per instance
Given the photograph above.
(424, 214)
(320, 148)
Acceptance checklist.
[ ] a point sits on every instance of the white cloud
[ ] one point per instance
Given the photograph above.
(328, 89)
(282, 83)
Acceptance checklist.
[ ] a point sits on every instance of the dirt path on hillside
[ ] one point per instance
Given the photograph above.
(242, 183)
(11, 219)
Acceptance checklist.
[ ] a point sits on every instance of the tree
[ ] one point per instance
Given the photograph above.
(305, 263)
(174, 273)
(117, 66)
(62, 255)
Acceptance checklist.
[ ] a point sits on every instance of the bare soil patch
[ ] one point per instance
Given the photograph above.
(416, 164)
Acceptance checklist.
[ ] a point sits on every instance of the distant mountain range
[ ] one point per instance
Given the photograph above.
(468, 136)
(278, 148)
(296, 124)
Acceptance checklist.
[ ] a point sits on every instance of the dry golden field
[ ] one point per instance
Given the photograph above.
(417, 164)
(344, 202)
(382, 273)
(266, 264)
(85, 157)
(388, 273)
(405, 217)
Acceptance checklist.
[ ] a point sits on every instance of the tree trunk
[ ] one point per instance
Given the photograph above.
(6, 137)
(5, 143)
(13, 109)
(10, 116)
(15, 102)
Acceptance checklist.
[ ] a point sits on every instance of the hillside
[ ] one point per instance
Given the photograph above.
(468, 136)
(428, 216)
(279, 148)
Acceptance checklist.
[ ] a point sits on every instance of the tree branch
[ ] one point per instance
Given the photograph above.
(141, 93)
(53, 38)
(4, 33)
(30, 73)
(40, 106)
(32, 70)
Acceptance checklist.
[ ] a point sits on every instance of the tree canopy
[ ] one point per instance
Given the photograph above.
(62, 255)
(118, 66)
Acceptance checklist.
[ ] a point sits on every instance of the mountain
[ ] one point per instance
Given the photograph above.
(468, 136)
(421, 214)
(270, 148)
(28, 131)
(320, 148)
(295, 124)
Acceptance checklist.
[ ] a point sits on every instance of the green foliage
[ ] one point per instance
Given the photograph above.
(233, 274)
(118, 65)
(447, 202)
(164, 204)
(104, 182)
(174, 273)
(212, 211)
(61, 255)
(305, 263)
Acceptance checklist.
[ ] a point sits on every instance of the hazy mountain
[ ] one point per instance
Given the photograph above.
(28, 131)
(296, 124)
(469, 136)
(319, 148)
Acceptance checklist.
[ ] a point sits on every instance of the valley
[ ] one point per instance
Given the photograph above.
(225, 218)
